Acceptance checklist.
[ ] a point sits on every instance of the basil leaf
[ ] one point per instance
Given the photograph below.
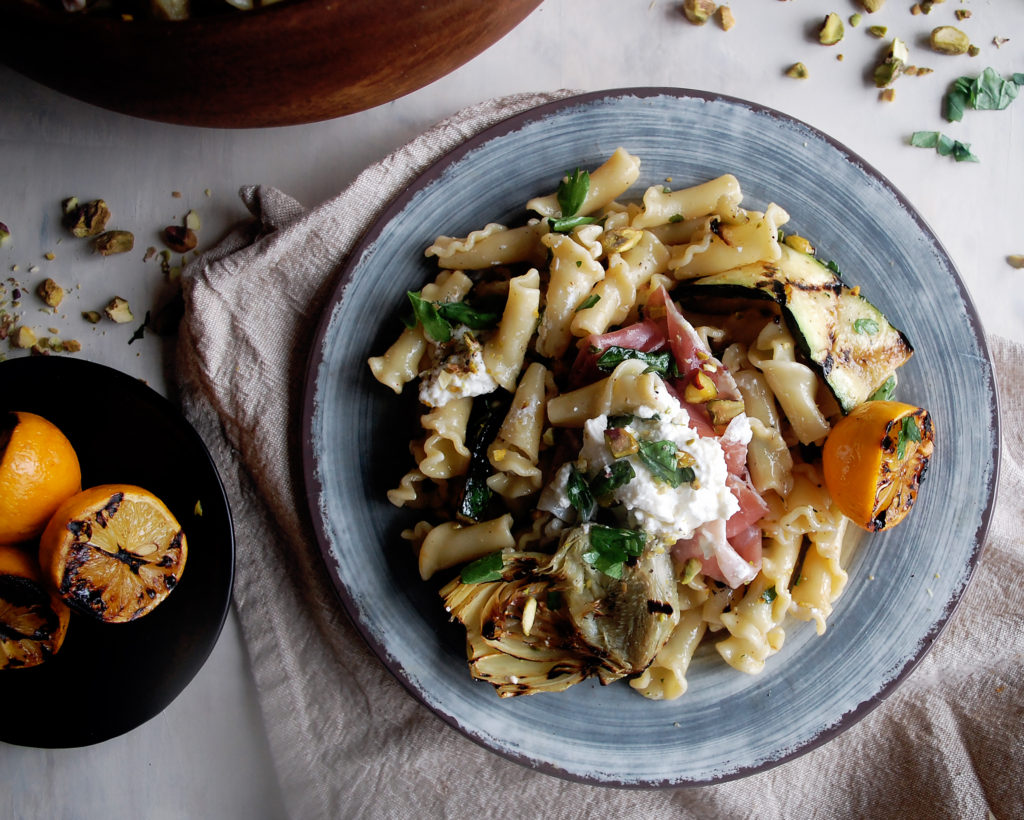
(660, 363)
(832, 266)
(610, 548)
(434, 325)
(572, 191)
(460, 313)
(957, 99)
(990, 92)
(868, 326)
(615, 475)
(589, 302)
(886, 391)
(488, 568)
(578, 491)
(944, 145)
(621, 420)
(908, 432)
(769, 595)
(631, 542)
(567, 223)
(660, 458)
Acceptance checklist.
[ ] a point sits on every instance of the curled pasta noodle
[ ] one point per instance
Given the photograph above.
(626, 390)
(616, 293)
(665, 678)
(504, 352)
(721, 195)
(573, 272)
(450, 544)
(493, 245)
(822, 577)
(445, 454)
(755, 239)
(607, 183)
(516, 448)
(408, 493)
(400, 364)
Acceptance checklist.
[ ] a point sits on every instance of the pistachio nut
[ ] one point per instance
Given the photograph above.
(831, 31)
(179, 238)
(117, 310)
(89, 219)
(111, 242)
(698, 12)
(50, 292)
(949, 40)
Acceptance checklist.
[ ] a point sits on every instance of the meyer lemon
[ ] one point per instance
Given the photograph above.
(114, 551)
(33, 621)
(874, 460)
(38, 470)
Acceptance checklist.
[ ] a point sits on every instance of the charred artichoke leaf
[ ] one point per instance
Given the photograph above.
(625, 621)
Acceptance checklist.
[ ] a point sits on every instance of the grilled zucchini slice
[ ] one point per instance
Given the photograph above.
(849, 340)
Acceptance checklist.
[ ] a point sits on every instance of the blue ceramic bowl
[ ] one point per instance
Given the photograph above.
(903, 584)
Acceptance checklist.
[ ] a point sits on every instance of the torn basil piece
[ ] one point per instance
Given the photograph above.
(661, 458)
(482, 570)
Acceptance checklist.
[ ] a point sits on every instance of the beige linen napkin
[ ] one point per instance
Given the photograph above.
(346, 738)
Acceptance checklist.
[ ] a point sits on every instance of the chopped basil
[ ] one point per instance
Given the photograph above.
(769, 595)
(621, 420)
(426, 314)
(572, 192)
(476, 495)
(661, 363)
(460, 313)
(868, 326)
(611, 547)
(945, 146)
(676, 218)
(567, 223)
(986, 92)
(579, 494)
(589, 302)
(832, 266)
(488, 568)
(886, 391)
(660, 457)
(612, 477)
(908, 432)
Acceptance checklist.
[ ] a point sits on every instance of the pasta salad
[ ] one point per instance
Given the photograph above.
(626, 416)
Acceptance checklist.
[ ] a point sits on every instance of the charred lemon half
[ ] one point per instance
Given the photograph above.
(874, 460)
(114, 551)
(33, 621)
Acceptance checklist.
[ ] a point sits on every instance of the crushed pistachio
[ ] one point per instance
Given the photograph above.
(111, 242)
(698, 12)
(726, 19)
(207, 192)
(72, 346)
(1016, 260)
(855, 20)
(878, 31)
(973, 51)
(179, 238)
(798, 71)
(999, 42)
(5, 234)
(69, 205)
(23, 337)
(150, 253)
(92, 316)
(50, 292)
(871, 6)
(893, 63)
(831, 31)
(887, 94)
(949, 40)
(89, 219)
(117, 310)
(176, 194)
(192, 221)
(962, 14)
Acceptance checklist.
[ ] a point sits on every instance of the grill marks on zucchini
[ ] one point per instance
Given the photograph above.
(827, 319)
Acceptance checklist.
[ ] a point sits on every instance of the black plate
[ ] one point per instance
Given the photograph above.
(109, 678)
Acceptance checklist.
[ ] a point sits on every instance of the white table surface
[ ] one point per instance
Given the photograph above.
(206, 754)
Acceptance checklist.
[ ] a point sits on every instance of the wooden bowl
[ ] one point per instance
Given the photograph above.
(293, 62)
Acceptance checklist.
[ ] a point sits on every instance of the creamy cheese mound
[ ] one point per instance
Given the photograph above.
(665, 512)
(462, 373)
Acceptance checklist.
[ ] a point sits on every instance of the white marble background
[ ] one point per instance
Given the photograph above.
(206, 756)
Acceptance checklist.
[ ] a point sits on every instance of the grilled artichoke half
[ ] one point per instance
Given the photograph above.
(554, 620)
